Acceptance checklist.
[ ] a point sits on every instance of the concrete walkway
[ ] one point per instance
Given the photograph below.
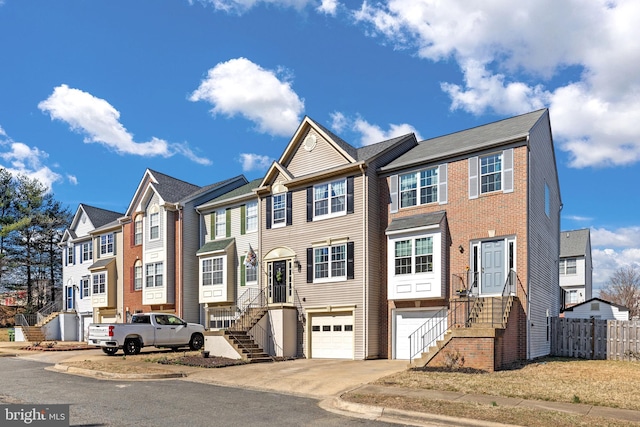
(322, 379)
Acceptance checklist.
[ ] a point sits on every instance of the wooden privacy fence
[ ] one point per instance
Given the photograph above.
(595, 339)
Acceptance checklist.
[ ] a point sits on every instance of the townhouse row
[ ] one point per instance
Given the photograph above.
(379, 251)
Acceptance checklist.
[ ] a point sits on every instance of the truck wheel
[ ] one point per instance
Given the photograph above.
(131, 347)
(197, 341)
(110, 351)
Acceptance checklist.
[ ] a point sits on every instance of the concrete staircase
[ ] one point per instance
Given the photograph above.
(238, 336)
(33, 334)
(247, 347)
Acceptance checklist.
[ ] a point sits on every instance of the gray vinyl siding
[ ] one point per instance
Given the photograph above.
(544, 232)
(190, 269)
(306, 162)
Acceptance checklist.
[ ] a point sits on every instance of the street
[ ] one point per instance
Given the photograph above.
(158, 403)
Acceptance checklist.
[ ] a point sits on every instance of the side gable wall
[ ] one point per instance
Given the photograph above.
(544, 243)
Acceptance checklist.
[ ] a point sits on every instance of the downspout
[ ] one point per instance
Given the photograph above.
(179, 305)
(365, 265)
(528, 294)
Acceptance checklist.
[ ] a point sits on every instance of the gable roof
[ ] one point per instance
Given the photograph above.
(619, 307)
(98, 216)
(574, 243)
(171, 189)
(240, 193)
(474, 139)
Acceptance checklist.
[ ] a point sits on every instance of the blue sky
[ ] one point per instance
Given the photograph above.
(94, 92)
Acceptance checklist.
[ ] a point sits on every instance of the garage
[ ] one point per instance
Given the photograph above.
(407, 322)
(332, 336)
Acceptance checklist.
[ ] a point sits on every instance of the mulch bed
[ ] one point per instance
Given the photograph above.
(202, 362)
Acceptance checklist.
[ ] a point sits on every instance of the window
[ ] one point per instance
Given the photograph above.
(330, 198)
(279, 209)
(69, 255)
(220, 224)
(106, 244)
(419, 187)
(567, 266)
(84, 288)
(491, 173)
(251, 220)
(154, 226)
(330, 262)
(413, 255)
(212, 271)
(87, 251)
(99, 283)
(572, 297)
(137, 276)
(251, 273)
(154, 275)
(137, 236)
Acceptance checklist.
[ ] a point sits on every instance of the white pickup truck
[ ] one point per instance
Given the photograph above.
(146, 329)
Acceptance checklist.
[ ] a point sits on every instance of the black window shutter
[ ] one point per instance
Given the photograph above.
(350, 268)
(309, 204)
(289, 197)
(350, 195)
(309, 265)
(269, 210)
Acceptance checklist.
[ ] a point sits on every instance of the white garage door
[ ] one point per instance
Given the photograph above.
(407, 322)
(332, 336)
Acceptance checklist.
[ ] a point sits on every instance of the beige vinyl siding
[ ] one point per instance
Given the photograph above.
(301, 235)
(241, 248)
(544, 232)
(324, 155)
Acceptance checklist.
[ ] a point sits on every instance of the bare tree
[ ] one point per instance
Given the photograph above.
(623, 288)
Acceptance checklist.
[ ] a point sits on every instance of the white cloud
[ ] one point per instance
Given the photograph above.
(328, 7)
(72, 179)
(338, 121)
(577, 218)
(20, 159)
(611, 250)
(252, 162)
(241, 6)
(513, 56)
(239, 86)
(369, 133)
(622, 237)
(99, 121)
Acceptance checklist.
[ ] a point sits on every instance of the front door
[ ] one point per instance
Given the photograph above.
(279, 281)
(493, 275)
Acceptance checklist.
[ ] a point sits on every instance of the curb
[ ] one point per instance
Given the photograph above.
(378, 413)
(115, 376)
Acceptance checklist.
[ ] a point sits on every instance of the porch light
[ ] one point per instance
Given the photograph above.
(461, 249)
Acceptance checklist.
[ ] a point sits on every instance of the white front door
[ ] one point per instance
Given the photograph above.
(332, 336)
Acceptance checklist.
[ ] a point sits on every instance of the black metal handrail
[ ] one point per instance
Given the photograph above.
(44, 312)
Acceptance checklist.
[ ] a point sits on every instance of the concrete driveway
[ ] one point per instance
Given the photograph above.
(318, 378)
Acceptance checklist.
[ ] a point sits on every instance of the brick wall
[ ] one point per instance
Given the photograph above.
(132, 300)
